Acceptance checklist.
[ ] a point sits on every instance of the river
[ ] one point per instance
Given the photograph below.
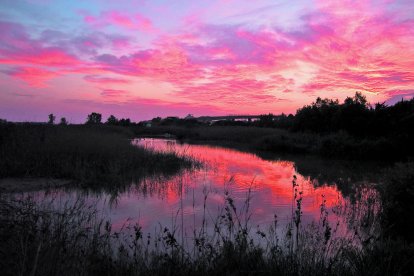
(259, 191)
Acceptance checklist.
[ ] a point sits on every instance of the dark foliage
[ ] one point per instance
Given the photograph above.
(356, 117)
(94, 118)
(37, 239)
(397, 195)
(351, 130)
(94, 155)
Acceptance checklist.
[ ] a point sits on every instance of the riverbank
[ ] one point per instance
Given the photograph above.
(97, 157)
(336, 146)
(21, 185)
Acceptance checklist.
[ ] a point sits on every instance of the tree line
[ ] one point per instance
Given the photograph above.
(354, 116)
(94, 118)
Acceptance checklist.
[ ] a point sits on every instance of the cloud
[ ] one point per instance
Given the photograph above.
(35, 77)
(18, 48)
(113, 93)
(124, 20)
(332, 49)
(104, 80)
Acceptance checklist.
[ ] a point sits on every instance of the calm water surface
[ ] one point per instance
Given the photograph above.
(184, 199)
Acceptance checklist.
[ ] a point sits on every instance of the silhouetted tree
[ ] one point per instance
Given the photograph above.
(326, 115)
(112, 120)
(156, 120)
(266, 120)
(63, 121)
(94, 118)
(284, 121)
(124, 122)
(354, 115)
(357, 118)
(52, 119)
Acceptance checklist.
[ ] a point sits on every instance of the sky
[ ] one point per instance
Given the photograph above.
(146, 58)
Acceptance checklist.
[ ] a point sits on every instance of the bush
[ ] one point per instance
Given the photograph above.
(397, 194)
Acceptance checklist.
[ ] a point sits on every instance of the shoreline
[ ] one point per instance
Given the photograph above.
(30, 184)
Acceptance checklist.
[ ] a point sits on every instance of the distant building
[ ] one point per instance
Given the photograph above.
(189, 116)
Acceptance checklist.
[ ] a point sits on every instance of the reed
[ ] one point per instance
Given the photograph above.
(91, 156)
(42, 240)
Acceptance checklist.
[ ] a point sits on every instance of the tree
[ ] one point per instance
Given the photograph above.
(52, 119)
(266, 120)
(94, 118)
(63, 121)
(125, 122)
(156, 120)
(358, 99)
(112, 120)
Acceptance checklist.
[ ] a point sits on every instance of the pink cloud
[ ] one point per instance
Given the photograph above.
(121, 19)
(144, 23)
(113, 93)
(335, 51)
(337, 48)
(35, 77)
(19, 49)
(104, 80)
(43, 57)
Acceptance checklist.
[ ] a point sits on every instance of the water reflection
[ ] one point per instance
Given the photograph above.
(194, 197)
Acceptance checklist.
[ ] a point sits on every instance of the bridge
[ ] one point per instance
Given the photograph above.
(227, 118)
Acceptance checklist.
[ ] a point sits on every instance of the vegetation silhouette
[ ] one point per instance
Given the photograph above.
(113, 121)
(349, 130)
(356, 117)
(63, 121)
(75, 240)
(90, 155)
(52, 119)
(100, 156)
(94, 118)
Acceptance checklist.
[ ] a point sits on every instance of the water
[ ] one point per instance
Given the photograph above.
(193, 198)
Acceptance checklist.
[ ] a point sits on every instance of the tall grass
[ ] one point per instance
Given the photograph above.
(397, 192)
(40, 240)
(332, 145)
(90, 155)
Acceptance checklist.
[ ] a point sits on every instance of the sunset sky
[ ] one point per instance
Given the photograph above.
(146, 58)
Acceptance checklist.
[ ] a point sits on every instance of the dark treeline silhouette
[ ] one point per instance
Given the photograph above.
(113, 121)
(356, 117)
(352, 129)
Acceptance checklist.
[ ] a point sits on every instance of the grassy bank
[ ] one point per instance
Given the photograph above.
(93, 156)
(38, 240)
(337, 145)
